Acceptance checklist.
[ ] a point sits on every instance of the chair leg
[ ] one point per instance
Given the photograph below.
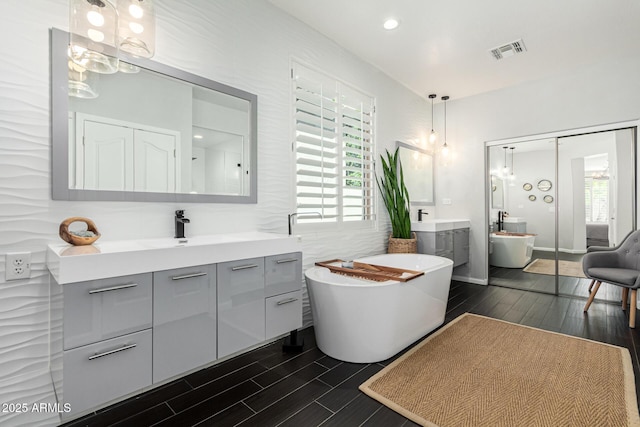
(632, 315)
(591, 284)
(592, 296)
(625, 297)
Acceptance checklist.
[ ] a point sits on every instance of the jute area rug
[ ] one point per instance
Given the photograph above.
(478, 371)
(548, 266)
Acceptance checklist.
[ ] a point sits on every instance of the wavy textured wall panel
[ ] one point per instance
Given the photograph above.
(248, 44)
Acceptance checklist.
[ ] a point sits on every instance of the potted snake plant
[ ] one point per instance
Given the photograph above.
(396, 200)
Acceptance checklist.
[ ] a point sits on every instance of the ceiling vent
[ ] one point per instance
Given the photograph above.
(509, 49)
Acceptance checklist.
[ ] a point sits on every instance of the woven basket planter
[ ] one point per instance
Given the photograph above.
(403, 246)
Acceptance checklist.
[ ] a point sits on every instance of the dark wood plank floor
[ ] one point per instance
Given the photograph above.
(265, 387)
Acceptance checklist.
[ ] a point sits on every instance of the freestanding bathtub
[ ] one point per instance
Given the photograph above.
(511, 250)
(363, 321)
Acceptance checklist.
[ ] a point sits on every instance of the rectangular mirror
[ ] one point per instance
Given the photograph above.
(149, 132)
(497, 192)
(417, 167)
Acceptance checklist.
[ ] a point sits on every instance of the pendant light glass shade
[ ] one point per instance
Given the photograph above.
(433, 135)
(93, 39)
(512, 177)
(137, 27)
(445, 147)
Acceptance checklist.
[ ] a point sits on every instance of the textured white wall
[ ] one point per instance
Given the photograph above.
(243, 43)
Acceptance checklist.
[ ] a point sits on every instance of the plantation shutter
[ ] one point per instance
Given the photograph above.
(357, 156)
(333, 149)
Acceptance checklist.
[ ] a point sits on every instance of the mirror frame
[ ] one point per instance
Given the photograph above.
(60, 133)
(400, 144)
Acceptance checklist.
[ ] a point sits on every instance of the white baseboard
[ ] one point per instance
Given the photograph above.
(472, 280)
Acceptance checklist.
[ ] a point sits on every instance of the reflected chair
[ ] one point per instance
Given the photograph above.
(618, 266)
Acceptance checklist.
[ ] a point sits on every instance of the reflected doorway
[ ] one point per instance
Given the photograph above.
(561, 194)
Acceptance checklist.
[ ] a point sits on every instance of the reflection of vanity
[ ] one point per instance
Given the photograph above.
(172, 309)
(447, 238)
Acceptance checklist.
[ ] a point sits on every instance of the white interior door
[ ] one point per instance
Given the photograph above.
(108, 157)
(155, 162)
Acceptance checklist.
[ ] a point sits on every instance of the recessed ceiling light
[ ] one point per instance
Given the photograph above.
(391, 24)
(197, 136)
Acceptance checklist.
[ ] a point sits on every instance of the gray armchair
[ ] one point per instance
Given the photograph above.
(619, 266)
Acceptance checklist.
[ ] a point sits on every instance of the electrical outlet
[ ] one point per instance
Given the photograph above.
(17, 266)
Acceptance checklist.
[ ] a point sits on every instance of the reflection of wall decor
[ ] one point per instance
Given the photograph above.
(532, 198)
(494, 188)
(548, 199)
(544, 185)
(527, 187)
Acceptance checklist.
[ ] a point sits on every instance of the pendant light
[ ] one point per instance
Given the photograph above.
(137, 27)
(93, 39)
(433, 136)
(512, 177)
(445, 147)
(505, 168)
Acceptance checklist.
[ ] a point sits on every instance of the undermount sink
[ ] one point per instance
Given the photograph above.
(70, 264)
(439, 224)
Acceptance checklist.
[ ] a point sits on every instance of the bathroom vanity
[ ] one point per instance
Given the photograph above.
(130, 315)
(447, 238)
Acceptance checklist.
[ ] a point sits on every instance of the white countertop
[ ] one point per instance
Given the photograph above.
(69, 264)
(440, 224)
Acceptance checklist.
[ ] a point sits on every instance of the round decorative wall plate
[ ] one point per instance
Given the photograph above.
(544, 185)
(548, 199)
(527, 187)
(532, 198)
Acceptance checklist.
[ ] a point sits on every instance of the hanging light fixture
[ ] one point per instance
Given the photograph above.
(93, 40)
(433, 136)
(137, 27)
(445, 147)
(505, 168)
(512, 177)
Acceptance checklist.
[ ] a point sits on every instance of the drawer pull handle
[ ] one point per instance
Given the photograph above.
(286, 301)
(244, 267)
(107, 353)
(113, 288)
(188, 276)
(283, 261)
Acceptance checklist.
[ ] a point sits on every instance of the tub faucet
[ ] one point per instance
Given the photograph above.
(180, 222)
(293, 215)
(500, 221)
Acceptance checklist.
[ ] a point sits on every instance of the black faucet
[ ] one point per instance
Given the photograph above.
(420, 215)
(180, 222)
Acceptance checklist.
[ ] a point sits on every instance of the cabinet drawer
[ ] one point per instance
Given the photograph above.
(283, 273)
(184, 320)
(101, 309)
(97, 373)
(240, 305)
(283, 313)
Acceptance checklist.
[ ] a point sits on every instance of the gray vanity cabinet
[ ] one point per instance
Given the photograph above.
(283, 291)
(100, 339)
(460, 246)
(241, 311)
(96, 310)
(184, 320)
(452, 244)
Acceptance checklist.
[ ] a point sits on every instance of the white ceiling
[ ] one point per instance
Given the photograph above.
(443, 46)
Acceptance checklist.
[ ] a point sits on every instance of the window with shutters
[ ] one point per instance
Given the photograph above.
(334, 151)
(596, 197)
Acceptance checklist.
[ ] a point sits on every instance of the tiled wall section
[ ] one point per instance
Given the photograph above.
(243, 43)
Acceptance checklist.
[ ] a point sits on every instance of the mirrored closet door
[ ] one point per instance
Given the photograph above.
(550, 199)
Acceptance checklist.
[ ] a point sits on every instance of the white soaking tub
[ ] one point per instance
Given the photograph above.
(363, 321)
